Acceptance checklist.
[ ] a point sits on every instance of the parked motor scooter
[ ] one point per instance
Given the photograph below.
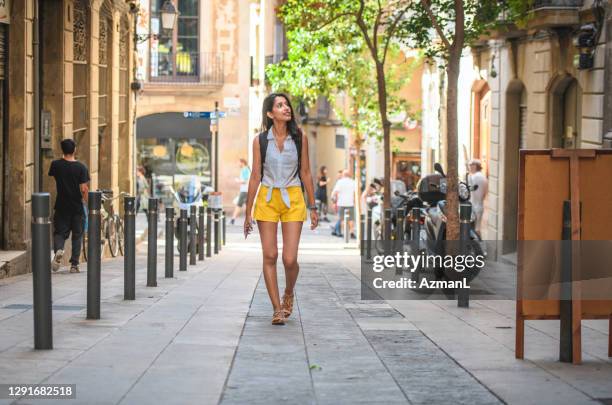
(432, 194)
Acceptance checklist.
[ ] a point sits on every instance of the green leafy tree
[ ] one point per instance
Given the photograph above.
(365, 34)
(443, 28)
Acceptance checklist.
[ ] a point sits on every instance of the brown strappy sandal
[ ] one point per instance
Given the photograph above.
(278, 318)
(287, 306)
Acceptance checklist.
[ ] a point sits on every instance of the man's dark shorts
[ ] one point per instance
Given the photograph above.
(242, 199)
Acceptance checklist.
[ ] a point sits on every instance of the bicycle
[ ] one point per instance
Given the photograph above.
(112, 226)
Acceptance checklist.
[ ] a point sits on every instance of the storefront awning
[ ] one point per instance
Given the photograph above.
(172, 125)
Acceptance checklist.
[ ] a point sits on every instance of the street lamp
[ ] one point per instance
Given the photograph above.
(168, 14)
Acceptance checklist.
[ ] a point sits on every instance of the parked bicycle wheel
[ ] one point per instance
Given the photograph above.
(113, 242)
(120, 234)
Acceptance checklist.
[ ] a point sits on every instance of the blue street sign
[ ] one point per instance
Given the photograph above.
(204, 114)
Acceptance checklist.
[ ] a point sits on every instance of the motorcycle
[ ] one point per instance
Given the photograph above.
(431, 200)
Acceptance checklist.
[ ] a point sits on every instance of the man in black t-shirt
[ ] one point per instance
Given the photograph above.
(71, 178)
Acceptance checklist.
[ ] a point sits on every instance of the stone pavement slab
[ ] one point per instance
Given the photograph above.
(205, 337)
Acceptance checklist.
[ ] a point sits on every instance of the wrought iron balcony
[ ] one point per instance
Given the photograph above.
(557, 4)
(185, 68)
(555, 13)
(276, 58)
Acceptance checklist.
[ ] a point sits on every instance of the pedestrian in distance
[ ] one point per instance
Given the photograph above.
(337, 226)
(71, 178)
(243, 179)
(344, 191)
(477, 197)
(280, 169)
(321, 193)
(143, 190)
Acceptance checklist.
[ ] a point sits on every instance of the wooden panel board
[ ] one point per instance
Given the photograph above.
(543, 186)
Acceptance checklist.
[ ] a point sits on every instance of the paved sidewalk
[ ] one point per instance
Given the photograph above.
(204, 337)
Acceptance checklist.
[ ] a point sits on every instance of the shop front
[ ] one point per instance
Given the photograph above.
(175, 153)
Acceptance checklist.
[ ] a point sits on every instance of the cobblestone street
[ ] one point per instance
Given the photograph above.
(204, 337)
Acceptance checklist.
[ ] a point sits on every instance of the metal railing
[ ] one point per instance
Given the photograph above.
(276, 58)
(552, 4)
(187, 67)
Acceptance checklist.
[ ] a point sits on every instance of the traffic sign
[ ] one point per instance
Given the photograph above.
(204, 114)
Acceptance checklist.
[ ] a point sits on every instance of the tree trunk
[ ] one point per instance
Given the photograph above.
(386, 125)
(452, 172)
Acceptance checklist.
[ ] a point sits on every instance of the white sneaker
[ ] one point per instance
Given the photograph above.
(56, 263)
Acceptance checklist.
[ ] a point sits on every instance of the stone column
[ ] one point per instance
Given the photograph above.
(56, 80)
(94, 30)
(20, 126)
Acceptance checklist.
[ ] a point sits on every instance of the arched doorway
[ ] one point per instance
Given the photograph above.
(565, 112)
(516, 138)
(481, 131)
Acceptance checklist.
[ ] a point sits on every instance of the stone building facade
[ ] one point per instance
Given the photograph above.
(522, 89)
(67, 75)
(206, 59)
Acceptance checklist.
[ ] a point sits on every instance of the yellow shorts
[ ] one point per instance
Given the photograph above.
(276, 209)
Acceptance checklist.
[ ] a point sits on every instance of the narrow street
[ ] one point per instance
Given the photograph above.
(204, 337)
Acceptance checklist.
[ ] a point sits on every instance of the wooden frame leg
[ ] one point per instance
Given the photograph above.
(519, 352)
(610, 337)
(576, 331)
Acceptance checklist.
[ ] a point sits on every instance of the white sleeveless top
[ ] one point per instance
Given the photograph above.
(280, 168)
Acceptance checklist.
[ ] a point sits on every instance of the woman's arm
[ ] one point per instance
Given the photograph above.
(254, 178)
(305, 173)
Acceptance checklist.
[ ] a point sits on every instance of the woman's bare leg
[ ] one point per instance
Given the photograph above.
(267, 234)
(291, 241)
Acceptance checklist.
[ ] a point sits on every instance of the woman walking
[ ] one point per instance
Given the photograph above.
(281, 165)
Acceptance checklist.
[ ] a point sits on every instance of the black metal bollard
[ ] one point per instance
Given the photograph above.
(399, 235)
(566, 354)
(93, 255)
(465, 216)
(183, 241)
(201, 233)
(362, 238)
(41, 272)
(415, 230)
(224, 228)
(129, 259)
(369, 235)
(221, 236)
(347, 233)
(169, 273)
(209, 230)
(216, 230)
(192, 235)
(152, 247)
(399, 229)
(387, 231)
